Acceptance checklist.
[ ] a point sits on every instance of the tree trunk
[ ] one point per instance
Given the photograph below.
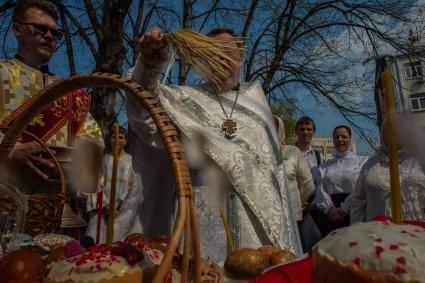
(110, 59)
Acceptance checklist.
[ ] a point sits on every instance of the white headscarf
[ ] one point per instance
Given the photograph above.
(280, 130)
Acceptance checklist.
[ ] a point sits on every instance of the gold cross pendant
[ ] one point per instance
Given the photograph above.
(229, 128)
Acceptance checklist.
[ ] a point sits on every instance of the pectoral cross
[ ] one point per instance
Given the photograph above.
(229, 128)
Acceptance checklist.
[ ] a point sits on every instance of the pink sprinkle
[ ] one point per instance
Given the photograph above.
(394, 247)
(352, 244)
(401, 260)
(379, 240)
(378, 250)
(400, 270)
(357, 261)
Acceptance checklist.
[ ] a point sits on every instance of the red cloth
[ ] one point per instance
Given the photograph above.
(295, 272)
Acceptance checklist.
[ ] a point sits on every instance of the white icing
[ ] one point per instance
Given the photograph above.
(90, 267)
(384, 247)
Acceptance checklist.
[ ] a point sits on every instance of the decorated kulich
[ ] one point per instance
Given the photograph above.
(98, 264)
(371, 252)
(52, 240)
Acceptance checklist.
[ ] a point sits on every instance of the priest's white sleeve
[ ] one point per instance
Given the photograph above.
(139, 119)
(358, 199)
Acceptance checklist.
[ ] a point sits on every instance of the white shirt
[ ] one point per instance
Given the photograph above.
(300, 180)
(338, 176)
(310, 157)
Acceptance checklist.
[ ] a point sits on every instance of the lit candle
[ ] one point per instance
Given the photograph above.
(228, 233)
(387, 83)
(111, 214)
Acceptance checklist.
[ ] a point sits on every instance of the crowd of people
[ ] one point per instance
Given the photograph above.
(270, 192)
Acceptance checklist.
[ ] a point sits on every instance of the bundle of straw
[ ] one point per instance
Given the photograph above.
(210, 57)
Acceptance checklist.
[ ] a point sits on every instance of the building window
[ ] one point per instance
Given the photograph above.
(417, 101)
(413, 70)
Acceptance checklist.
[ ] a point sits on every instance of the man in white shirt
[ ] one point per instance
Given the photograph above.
(305, 129)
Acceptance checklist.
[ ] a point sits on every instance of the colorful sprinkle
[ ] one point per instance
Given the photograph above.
(400, 270)
(352, 244)
(378, 250)
(394, 247)
(379, 240)
(357, 261)
(401, 260)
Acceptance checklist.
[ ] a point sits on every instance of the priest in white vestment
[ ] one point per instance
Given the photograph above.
(238, 172)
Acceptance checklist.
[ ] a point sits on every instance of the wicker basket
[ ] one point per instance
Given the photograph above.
(185, 214)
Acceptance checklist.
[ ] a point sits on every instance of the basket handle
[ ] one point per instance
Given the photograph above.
(169, 136)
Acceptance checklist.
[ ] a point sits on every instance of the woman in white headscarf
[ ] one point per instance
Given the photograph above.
(298, 173)
(372, 195)
(338, 179)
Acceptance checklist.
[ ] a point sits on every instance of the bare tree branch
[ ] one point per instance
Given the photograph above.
(69, 49)
(93, 19)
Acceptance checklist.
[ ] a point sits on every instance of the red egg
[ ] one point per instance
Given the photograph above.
(23, 266)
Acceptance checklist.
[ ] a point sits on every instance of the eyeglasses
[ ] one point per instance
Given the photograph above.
(43, 29)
